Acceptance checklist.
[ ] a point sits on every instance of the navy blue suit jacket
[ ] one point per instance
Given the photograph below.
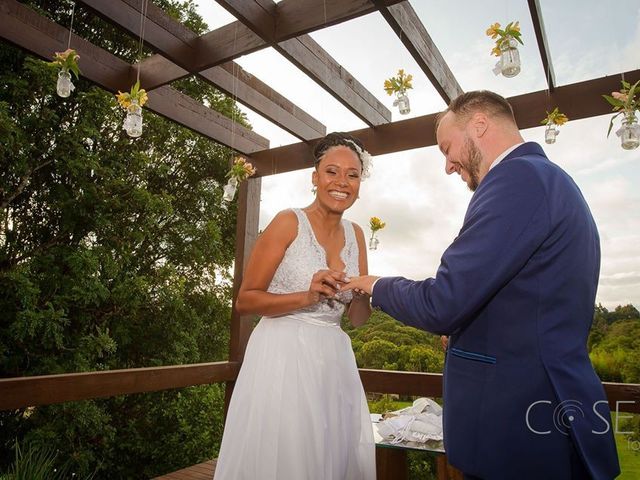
(516, 292)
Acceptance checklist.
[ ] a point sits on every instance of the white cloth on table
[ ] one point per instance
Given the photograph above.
(420, 422)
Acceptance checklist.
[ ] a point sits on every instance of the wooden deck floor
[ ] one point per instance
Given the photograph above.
(390, 464)
(202, 471)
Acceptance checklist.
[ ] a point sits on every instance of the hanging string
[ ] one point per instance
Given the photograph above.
(549, 83)
(234, 75)
(73, 12)
(143, 18)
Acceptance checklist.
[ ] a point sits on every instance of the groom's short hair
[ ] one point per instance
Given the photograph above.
(463, 106)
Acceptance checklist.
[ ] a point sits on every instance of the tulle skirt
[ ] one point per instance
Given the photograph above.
(298, 409)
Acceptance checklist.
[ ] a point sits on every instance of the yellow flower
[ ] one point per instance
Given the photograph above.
(399, 83)
(124, 99)
(142, 97)
(376, 224)
(555, 117)
(407, 81)
(503, 37)
(492, 30)
(388, 87)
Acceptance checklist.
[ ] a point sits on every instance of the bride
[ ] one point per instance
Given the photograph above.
(298, 409)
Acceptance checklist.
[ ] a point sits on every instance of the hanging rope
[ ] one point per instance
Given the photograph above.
(143, 18)
(234, 74)
(73, 11)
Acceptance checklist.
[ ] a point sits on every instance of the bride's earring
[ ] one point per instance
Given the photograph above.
(314, 189)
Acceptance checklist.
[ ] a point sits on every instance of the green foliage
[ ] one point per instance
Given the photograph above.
(422, 465)
(615, 347)
(35, 462)
(384, 343)
(114, 253)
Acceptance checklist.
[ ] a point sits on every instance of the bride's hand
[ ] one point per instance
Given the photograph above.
(363, 284)
(324, 284)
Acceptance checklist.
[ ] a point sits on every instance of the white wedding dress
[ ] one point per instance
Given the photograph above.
(298, 409)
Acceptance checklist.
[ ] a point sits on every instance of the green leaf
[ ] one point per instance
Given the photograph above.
(613, 101)
(611, 123)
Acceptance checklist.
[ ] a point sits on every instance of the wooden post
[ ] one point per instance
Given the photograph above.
(391, 464)
(246, 234)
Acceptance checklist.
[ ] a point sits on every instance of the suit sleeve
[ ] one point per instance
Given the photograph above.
(506, 222)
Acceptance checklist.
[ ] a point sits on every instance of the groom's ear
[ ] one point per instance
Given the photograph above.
(479, 124)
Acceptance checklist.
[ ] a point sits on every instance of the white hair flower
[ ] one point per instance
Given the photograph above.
(365, 158)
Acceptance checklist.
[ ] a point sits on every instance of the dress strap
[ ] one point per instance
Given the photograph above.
(349, 233)
(303, 223)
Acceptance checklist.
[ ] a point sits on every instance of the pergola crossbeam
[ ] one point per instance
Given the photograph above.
(295, 17)
(404, 21)
(42, 37)
(176, 42)
(543, 43)
(312, 59)
(578, 100)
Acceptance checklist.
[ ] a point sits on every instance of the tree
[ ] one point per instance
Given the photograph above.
(114, 253)
(616, 358)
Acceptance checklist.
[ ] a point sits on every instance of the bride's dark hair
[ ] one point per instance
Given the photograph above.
(336, 139)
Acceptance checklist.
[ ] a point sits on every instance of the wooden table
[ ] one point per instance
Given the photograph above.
(391, 459)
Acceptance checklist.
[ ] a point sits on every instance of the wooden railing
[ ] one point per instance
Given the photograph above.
(49, 389)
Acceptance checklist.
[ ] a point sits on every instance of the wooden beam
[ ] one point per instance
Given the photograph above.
(305, 53)
(295, 17)
(182, 109)
(403, 20)
(578, 100)
(176, 42)
(315, 62)
(258, 15)
(246, 236)
(401, 383)
(162, 32)
(249, 90)
(623, 397)
(42, 37)
(543, 43)
(48, 389)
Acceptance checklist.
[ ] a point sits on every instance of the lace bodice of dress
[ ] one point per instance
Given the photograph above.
(304, 257)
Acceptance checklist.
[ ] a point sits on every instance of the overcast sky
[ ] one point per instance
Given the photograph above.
(422, 206)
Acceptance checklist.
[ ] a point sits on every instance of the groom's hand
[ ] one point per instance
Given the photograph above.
(363, 284)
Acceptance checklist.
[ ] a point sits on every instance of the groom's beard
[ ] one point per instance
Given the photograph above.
(472, 164)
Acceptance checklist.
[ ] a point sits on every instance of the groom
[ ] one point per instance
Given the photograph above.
(515, 291)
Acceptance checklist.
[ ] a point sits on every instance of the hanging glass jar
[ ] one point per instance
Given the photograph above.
(402, 102)
(64, 87)
(629, 133)
(230, 189)
(509, 57)
(133, 120)
(373, 243)
(550, 133)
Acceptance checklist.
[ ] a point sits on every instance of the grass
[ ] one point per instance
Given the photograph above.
(628, 453)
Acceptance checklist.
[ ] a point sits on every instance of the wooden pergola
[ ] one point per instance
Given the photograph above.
(284, 26)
